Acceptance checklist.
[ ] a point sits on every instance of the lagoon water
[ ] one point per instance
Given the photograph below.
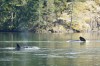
(49, 49)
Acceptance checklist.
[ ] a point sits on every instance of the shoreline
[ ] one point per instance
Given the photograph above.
(70, 31)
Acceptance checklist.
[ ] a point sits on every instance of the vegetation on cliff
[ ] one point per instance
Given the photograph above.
(50, 15)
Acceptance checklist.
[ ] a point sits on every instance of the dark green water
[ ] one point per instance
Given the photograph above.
(49, 49)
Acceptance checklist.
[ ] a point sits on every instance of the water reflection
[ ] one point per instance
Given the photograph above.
(54, 50)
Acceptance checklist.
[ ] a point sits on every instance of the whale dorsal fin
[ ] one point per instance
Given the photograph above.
(18, 47)
(82, 39)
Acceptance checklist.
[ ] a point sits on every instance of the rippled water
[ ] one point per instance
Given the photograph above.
(49, 49)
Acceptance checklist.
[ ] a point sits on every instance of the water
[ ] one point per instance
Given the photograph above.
(49, 49)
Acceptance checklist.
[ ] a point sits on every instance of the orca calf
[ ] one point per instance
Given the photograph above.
(82, 39)
(17, 47)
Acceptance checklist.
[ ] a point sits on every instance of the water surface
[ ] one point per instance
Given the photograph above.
(49, 49)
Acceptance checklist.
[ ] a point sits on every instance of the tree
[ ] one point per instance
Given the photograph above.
(18, 14)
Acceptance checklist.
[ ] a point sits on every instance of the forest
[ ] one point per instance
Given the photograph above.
(54, 16)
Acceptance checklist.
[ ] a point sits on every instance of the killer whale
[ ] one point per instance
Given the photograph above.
(81, 39)
(18, 47)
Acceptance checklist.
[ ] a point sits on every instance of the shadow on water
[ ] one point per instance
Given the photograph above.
(82, 43)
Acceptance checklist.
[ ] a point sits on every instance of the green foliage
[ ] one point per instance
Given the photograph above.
(18, 14)
(30, 14)
(80, 0)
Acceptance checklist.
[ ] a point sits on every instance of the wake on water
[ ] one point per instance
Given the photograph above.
(83, 41)
(50, 41)
(22, 48)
